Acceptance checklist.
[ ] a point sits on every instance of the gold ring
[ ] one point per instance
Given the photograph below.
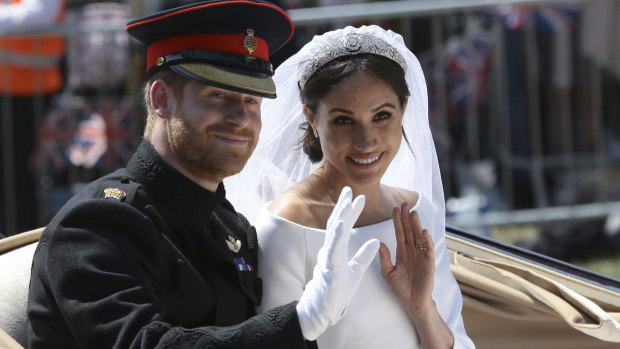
(421, 247)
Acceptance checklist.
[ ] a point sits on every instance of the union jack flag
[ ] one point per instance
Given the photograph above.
(89, 142)
(55, 134)
(514, 16)
(94, 133)
(120, 132)
(463, 69)
(467, 67)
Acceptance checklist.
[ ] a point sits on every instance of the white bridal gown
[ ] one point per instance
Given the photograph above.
(374, 318)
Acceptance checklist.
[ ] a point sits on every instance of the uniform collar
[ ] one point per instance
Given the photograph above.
(170, 187)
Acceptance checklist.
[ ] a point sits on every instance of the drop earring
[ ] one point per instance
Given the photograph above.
(316, 135)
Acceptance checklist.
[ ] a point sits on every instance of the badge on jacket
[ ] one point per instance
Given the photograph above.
(114, 193)
(233, 245)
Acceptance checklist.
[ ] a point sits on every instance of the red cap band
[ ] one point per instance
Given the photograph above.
(231, 43)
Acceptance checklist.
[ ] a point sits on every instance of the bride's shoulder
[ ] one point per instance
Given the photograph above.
(294, 205)
(287, 204)
(400, 195)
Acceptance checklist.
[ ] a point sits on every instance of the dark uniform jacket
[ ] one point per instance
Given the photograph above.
(145, 258)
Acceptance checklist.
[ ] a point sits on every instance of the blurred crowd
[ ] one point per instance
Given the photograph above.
(83, 116)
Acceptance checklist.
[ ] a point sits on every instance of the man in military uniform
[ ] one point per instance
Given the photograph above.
(153, 255)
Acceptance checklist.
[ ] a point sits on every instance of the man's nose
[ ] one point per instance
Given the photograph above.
(237, 113)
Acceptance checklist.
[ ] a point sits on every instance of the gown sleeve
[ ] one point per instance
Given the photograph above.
(446, 292)
(282, 258)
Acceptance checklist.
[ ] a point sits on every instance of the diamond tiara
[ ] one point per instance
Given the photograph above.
(351, 44)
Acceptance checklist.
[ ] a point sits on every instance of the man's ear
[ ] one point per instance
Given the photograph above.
(161, 98)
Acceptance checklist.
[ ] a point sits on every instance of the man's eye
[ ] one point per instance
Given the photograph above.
(251, 101)
(217, 94)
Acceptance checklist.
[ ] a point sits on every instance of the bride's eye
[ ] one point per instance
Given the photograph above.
(343, 120)
(383, 115)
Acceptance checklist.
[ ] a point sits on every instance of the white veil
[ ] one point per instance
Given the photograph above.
(279, 162)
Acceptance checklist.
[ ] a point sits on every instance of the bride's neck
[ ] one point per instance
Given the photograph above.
(377, 205)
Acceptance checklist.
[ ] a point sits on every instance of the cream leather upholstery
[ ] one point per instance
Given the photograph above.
(16, 254)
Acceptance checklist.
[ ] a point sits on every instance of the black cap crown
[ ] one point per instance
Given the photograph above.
(221, 43)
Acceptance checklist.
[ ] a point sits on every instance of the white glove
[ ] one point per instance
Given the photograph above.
(335, 279)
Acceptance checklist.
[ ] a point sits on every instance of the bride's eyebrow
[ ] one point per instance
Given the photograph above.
(345, 111)
(340, 110)
(390, 105)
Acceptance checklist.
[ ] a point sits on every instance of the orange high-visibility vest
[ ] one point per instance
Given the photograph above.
(29, 64)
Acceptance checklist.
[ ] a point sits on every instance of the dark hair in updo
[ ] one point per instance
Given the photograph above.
(334, 72)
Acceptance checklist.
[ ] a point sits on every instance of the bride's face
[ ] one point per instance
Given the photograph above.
(359, 125)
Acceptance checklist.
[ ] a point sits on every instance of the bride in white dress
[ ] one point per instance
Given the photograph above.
(360, 96)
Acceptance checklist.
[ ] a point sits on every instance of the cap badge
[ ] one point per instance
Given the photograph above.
(160, 61)
(233, 245)
(114, 193)
(249, 41)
